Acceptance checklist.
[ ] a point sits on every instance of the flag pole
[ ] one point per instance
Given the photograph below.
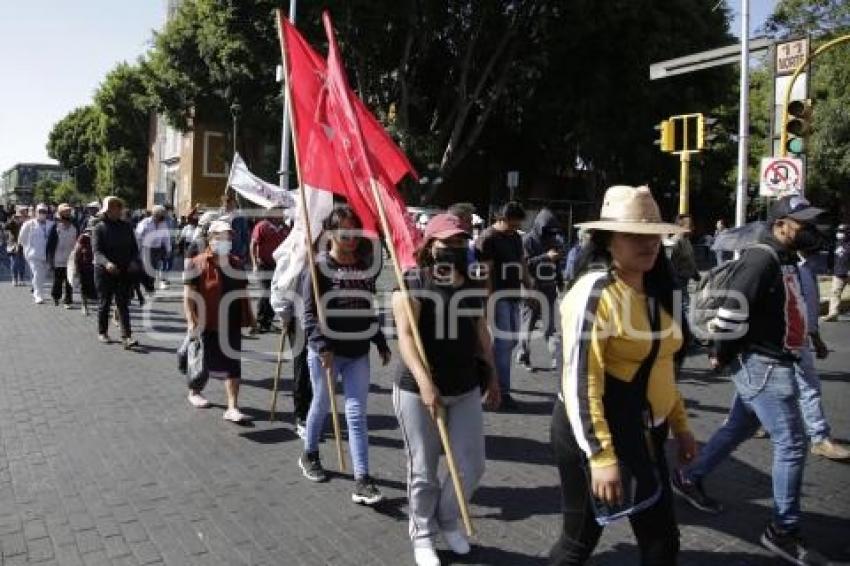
(385, 228)
(310, 256)
(276, 381)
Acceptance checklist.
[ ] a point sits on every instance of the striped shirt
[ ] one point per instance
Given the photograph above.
(606, 331)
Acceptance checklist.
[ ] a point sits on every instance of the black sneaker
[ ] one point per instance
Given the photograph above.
(508, 403)
(311, 467)
(365, 492)
(790, 547)
(693, 492)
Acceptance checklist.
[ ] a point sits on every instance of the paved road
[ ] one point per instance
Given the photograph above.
(103, 462)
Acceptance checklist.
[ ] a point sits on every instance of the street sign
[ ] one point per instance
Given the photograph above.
(780, 176)
(790, 54)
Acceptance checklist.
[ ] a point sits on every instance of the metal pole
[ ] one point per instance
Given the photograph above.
(286, 134)
(743, 118)
(684, 181)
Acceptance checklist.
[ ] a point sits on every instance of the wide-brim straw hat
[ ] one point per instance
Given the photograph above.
(631, 210)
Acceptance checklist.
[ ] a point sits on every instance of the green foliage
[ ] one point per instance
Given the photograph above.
(43, 190)
(66, 191)
(105, 144)
(816, 17)
(75, 142)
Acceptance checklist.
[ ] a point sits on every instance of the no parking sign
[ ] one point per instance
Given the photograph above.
(780, 176)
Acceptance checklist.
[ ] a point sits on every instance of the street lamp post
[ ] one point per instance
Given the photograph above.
(743, 118)
(235, 111)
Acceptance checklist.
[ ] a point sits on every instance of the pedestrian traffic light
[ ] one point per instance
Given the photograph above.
(798, 126)
(705, 131)
(665, 136)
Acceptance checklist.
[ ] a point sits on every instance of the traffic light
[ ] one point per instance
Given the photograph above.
(665, 137)
(799, 125)
(705, 131)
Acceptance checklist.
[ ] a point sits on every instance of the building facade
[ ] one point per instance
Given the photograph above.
(19, 181)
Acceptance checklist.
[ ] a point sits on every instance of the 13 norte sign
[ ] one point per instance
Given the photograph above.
(780, 175)
(790, 54)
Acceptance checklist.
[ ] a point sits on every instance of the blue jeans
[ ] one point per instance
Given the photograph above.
(506, 320)
(766, 393)
(810, 398)
(355, 382)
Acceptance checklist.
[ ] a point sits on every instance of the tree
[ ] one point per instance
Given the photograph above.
(43, 190)
(74, 142)
(125, 108)
(105, 144)
(66, 191)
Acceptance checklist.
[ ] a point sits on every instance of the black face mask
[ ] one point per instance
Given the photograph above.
(808, 239)
(454, 257)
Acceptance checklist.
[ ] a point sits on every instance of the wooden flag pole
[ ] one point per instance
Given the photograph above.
(276, 381)
(329, 377)
(417, 339)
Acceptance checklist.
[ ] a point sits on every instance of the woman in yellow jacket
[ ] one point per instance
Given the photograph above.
(618, 400)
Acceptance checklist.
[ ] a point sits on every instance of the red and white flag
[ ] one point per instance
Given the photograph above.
(341, 146)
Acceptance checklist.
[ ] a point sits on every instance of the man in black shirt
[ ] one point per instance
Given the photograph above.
(840, 267)
(500, 249)
(765, 306)
(116, 260)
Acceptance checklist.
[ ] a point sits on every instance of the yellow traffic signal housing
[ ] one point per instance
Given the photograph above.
(665, 139)
(705, 135)
(799, 125)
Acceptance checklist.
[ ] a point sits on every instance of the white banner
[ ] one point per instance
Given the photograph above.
(255, 189)
(291, 255)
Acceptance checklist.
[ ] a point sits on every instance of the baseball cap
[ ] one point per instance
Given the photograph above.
(218, 226)
(795, 207)
(444, 226)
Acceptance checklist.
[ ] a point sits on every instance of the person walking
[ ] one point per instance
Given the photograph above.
(33, 241)
(808, 381)
(450, 380)
(83, 259)
(767, 305)
(544, 251)
(241, 230)
(500, 249)
(840, 268)
(117, 267)
(346, 284)
(209, 277)
(302, 391)
(154, 238)
(60, 244)
(618, 400)
(268, 234)
(17, 263)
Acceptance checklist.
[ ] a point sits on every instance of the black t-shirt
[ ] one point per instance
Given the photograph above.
(448, 320)
(505, 250)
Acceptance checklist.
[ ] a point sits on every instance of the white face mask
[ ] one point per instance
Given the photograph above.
(221, 247)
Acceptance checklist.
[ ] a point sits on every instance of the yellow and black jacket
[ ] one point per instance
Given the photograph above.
(607, 336)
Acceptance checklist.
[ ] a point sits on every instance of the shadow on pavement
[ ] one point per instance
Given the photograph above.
(518, 503)
(517, 449)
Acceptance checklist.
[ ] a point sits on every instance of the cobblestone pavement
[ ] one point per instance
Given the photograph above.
(102, 461)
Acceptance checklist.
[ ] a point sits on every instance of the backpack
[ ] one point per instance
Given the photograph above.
(711, 293)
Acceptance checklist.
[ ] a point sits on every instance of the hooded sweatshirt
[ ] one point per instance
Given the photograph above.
(544, 235)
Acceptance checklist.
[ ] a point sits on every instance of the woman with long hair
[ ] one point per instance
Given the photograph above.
(618, 400)
(340, 344)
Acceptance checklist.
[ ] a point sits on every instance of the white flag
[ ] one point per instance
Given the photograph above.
(255, 189)
(291, 256)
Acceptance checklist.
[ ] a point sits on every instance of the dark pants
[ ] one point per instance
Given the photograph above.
(265, 313)
(302, 391)
(109, 287)
(655, 528)
(60, 283)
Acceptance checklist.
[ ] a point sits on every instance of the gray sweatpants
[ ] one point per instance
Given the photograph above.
(433, 505)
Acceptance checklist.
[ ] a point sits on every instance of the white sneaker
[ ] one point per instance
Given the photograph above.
(39, 301)
(425, 556)
(198, 401)
(457, 542)
(234, 416)
(163, 285)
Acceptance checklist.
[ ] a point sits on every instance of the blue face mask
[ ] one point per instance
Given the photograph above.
(221, 247)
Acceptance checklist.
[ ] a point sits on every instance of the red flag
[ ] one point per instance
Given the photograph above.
(341, 146)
